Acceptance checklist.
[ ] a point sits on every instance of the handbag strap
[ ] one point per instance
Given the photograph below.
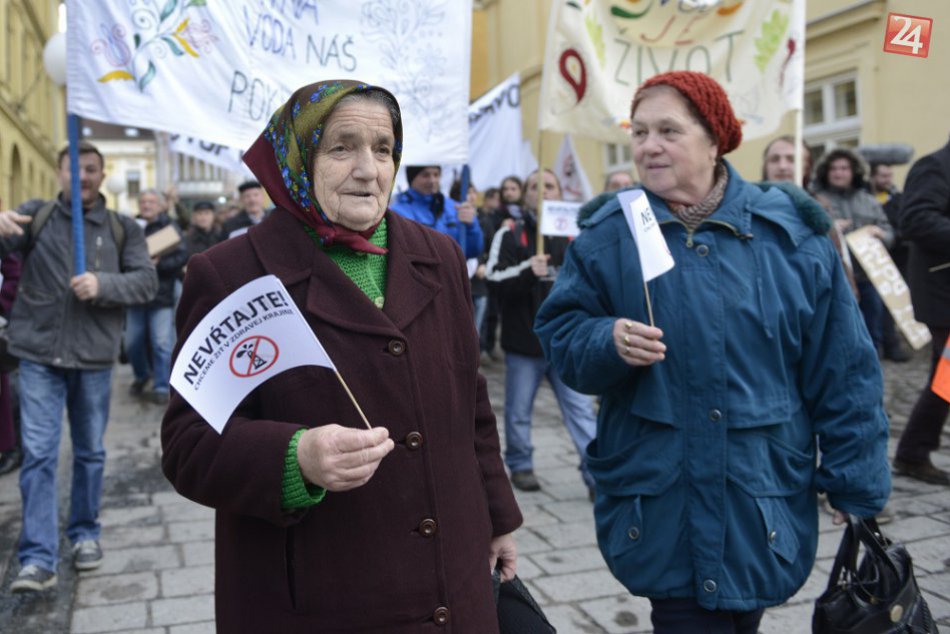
(857, 531)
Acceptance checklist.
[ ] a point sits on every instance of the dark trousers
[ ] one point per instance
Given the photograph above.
(872, 309)
(922, 434)
(685, 616)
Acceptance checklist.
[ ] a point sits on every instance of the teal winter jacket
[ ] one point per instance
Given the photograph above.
(707, 463)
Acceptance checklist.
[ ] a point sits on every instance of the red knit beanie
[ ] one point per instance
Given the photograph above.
(709, 99)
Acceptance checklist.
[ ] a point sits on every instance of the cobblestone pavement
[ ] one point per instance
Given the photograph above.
(157, 576)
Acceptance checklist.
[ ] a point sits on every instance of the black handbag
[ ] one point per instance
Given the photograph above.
(877, 596)
(518, 612)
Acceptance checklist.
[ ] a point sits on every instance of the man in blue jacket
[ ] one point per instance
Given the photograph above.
(424, 203)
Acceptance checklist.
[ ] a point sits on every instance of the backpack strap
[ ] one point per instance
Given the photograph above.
(39, 221)
(43, 215)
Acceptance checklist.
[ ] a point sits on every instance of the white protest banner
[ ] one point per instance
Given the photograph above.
(218, 70)
(599, 51)
(559, 218)
(655, 256)
(253, 334)
(225, 157)
(873, 257)
(494, 141)
(574, 184)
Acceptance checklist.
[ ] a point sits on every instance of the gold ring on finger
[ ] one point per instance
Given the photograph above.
(626, 340)
(626, 350)
(628, 325)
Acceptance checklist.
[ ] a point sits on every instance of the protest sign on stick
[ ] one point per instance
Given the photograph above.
(873, 257)
(253, 334)
(655, 256)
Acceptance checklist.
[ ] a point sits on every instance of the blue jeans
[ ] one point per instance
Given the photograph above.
(481, 306)
(872, 309)
(44, 391)
(155, 328)
(522, 379)
(685, 616)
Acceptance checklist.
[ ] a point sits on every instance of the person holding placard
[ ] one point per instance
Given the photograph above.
(150, 327)
(522, 278)
(757, 387)
(840, 179)
(324, 525)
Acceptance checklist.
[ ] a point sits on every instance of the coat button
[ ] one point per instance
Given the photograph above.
(709, 585)
(441, 616)
(633, 533)
(413, 440)
(714, 415)
(702, 250)
(396, 347)
(772, 537)
(427, 527)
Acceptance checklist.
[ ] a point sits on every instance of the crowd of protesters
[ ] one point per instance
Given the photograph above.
(798, 328)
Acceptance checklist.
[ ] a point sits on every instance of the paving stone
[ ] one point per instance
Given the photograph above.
(191, 531)
(136, 515)
(187, 511)
(578, 586)
(914, 528)
(575, 490)
(572, 510)
(570, 560)
(787, 619)
(207, 627)
(938, 584)
(529, 542)
(183, 610)
(567, 619)
(622, 614)
(939, 606)
(527, 569)
(110, 589)
(200, 553)
(537, 515)
(114, 537)
(109, 618)
(181, 582)
(931, 555)
(568, 535)
(137, 560)
(166, 498)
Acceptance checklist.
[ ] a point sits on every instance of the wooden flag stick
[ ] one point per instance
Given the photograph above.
(646, 291)
(539, 183)
(352, 399)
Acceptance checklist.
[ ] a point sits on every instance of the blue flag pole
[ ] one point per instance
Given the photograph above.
(75, 195)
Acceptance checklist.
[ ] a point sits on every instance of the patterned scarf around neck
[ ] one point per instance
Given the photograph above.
(693, 215)
(282, 157)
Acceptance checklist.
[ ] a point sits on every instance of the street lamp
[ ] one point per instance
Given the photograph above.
(115, 185)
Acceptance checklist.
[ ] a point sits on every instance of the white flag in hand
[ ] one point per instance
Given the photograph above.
(255, 333)
(655, 257)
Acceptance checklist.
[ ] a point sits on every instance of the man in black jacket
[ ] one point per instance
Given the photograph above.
(925, 224)
(151, 326)
(523, 280)
(253, 211)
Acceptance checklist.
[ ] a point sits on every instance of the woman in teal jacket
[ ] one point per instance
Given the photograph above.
(758, 387)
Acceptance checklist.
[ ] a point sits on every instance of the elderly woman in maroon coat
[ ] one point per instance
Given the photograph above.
(323, 526)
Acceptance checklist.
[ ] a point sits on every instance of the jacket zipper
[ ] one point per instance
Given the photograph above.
(95, 266)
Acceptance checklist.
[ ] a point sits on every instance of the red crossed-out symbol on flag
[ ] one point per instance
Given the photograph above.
(253, 355)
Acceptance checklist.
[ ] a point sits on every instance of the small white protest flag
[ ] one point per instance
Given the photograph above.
(655, 256)
(253, 334)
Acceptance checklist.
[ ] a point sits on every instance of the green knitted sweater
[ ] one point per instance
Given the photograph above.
(368, 272)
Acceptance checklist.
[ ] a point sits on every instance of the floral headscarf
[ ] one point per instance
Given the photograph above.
(282, 157)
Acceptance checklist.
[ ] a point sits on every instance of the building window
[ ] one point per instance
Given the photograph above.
(617, 156)
(133, 183)
(832, 117)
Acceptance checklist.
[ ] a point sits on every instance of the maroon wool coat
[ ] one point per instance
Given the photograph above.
(407, 552)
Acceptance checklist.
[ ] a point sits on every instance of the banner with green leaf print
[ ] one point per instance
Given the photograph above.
(599, 51)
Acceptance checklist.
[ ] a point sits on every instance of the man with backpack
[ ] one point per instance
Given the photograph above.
(65, 329)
